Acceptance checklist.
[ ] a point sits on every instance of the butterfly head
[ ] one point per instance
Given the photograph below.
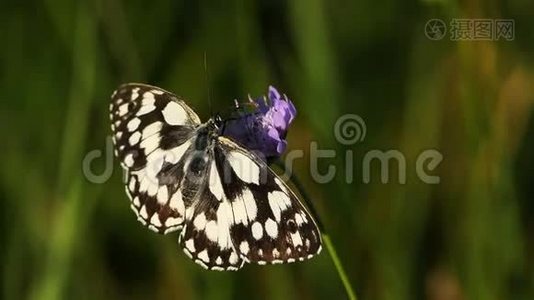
(217, 121)
(214, 125)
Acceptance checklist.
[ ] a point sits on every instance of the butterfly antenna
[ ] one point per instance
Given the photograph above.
(207, 82)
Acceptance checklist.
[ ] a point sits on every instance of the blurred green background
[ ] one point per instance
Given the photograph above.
(469, 237)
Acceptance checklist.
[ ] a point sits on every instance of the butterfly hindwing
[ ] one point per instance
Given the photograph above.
(270, 224)
(206, 236)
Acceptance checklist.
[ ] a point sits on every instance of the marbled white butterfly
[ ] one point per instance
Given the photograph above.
(182, 174)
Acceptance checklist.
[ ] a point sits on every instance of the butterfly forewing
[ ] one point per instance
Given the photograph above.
(152, 131)
(146, 118)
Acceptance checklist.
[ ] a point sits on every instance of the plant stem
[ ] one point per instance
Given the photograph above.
(339, 266)
(326, 238)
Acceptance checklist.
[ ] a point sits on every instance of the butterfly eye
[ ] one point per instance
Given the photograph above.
(218, 120)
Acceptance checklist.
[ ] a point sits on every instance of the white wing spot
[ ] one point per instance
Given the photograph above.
(224, 217)
(151, 129)
(190, 245)
(233, 258)
(250, 204)
(143, 212)
(174, 114)
(188, 253)
(123, 109)
(131, 185)
(136, 201)
(257, 230)
(177, 203)
(271, 228)
(278, 202)
(274, 208)
(203, 255)
(281, 185)
(212, 231)
(133, 124)
(143, 184)
(147, 104)
(141, 220)
(152, 189)
(170, 222)
(150, 144)
(244, 167)
(243, 247)
(154, 164)
(240, 212)
(135, 94)
(298, 219)
(304, 218)
(297, 240)
(200, 222)
(134, 138)
(128, 160)
(155, 220)
(215, 185)
(163, 195)
(218, 260)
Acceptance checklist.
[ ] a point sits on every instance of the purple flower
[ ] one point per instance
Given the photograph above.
(263, 129)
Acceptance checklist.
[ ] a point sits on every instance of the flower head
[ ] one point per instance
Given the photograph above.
(263, 129)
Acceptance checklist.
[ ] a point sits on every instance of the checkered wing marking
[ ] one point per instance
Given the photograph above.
(206, 235)
(269, 224)
(152, 131)
(146, 118)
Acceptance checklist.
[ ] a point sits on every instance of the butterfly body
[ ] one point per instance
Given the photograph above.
(184, 175)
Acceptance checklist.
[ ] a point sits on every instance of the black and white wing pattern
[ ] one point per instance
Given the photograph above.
(152, 130)
(270, 224)
(245, 213)
(232, 208)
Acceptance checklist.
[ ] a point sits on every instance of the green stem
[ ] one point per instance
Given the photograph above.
(326, 238)
(339, 266)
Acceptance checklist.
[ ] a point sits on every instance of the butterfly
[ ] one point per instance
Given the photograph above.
(182, 174)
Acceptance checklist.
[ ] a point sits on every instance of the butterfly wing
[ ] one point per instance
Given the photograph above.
(206, 235)
(153, 130)
(270, 224)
